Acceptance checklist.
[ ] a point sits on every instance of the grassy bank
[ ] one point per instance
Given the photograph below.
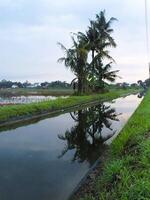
(12, 113)
(126, 173)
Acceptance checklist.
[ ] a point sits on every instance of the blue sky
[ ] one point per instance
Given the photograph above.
(30, 30)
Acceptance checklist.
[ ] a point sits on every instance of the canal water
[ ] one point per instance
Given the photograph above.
(46, 160)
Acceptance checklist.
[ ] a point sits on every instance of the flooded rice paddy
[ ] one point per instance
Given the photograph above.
(4, 100)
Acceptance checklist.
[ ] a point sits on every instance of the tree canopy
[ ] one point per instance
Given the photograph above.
(88, 54)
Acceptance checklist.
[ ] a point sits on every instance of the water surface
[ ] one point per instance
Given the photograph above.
(46, 160)
(26, 99)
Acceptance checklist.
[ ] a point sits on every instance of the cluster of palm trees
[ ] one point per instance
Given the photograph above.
(87, 55)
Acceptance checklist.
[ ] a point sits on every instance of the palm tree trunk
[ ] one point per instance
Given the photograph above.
(84, 84)
(80, 86)
(93, 67)
(93, 63)
(101, 85)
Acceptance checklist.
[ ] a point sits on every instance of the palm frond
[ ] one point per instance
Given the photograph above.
(62, 46)
(61, 60)
(73, 80)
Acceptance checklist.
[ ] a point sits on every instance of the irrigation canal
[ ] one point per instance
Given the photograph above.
(46, 160)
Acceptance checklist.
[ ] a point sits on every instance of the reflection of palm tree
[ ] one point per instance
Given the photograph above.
(86, 136)
(141, 94)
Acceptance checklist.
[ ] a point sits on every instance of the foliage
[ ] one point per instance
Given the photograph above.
(91, 73)
(54, 84)
(9, 84)
(76, 59)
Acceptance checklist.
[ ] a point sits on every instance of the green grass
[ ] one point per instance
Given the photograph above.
(126, 175)
(8, 113)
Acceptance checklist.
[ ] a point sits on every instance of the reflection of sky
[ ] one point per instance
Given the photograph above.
(125, 106)
(30, 168)
(25, 137)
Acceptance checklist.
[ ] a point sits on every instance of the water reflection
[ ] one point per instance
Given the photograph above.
(32, 150)
(142, 94)
(6, 100)
(86, 137)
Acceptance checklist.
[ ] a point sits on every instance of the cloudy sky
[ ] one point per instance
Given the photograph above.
(30, 30)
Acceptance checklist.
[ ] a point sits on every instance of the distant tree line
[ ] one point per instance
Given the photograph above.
(64, 85)
(89, 57)
(144, 84)
(9, 84)
(55, 84)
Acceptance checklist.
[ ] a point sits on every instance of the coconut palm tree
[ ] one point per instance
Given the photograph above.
(90, 39)
(97, 40)
(104, 73)
(104, 28)
(98, 33)
(76, 59)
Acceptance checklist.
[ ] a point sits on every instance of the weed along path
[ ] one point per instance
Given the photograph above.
(47, 159)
